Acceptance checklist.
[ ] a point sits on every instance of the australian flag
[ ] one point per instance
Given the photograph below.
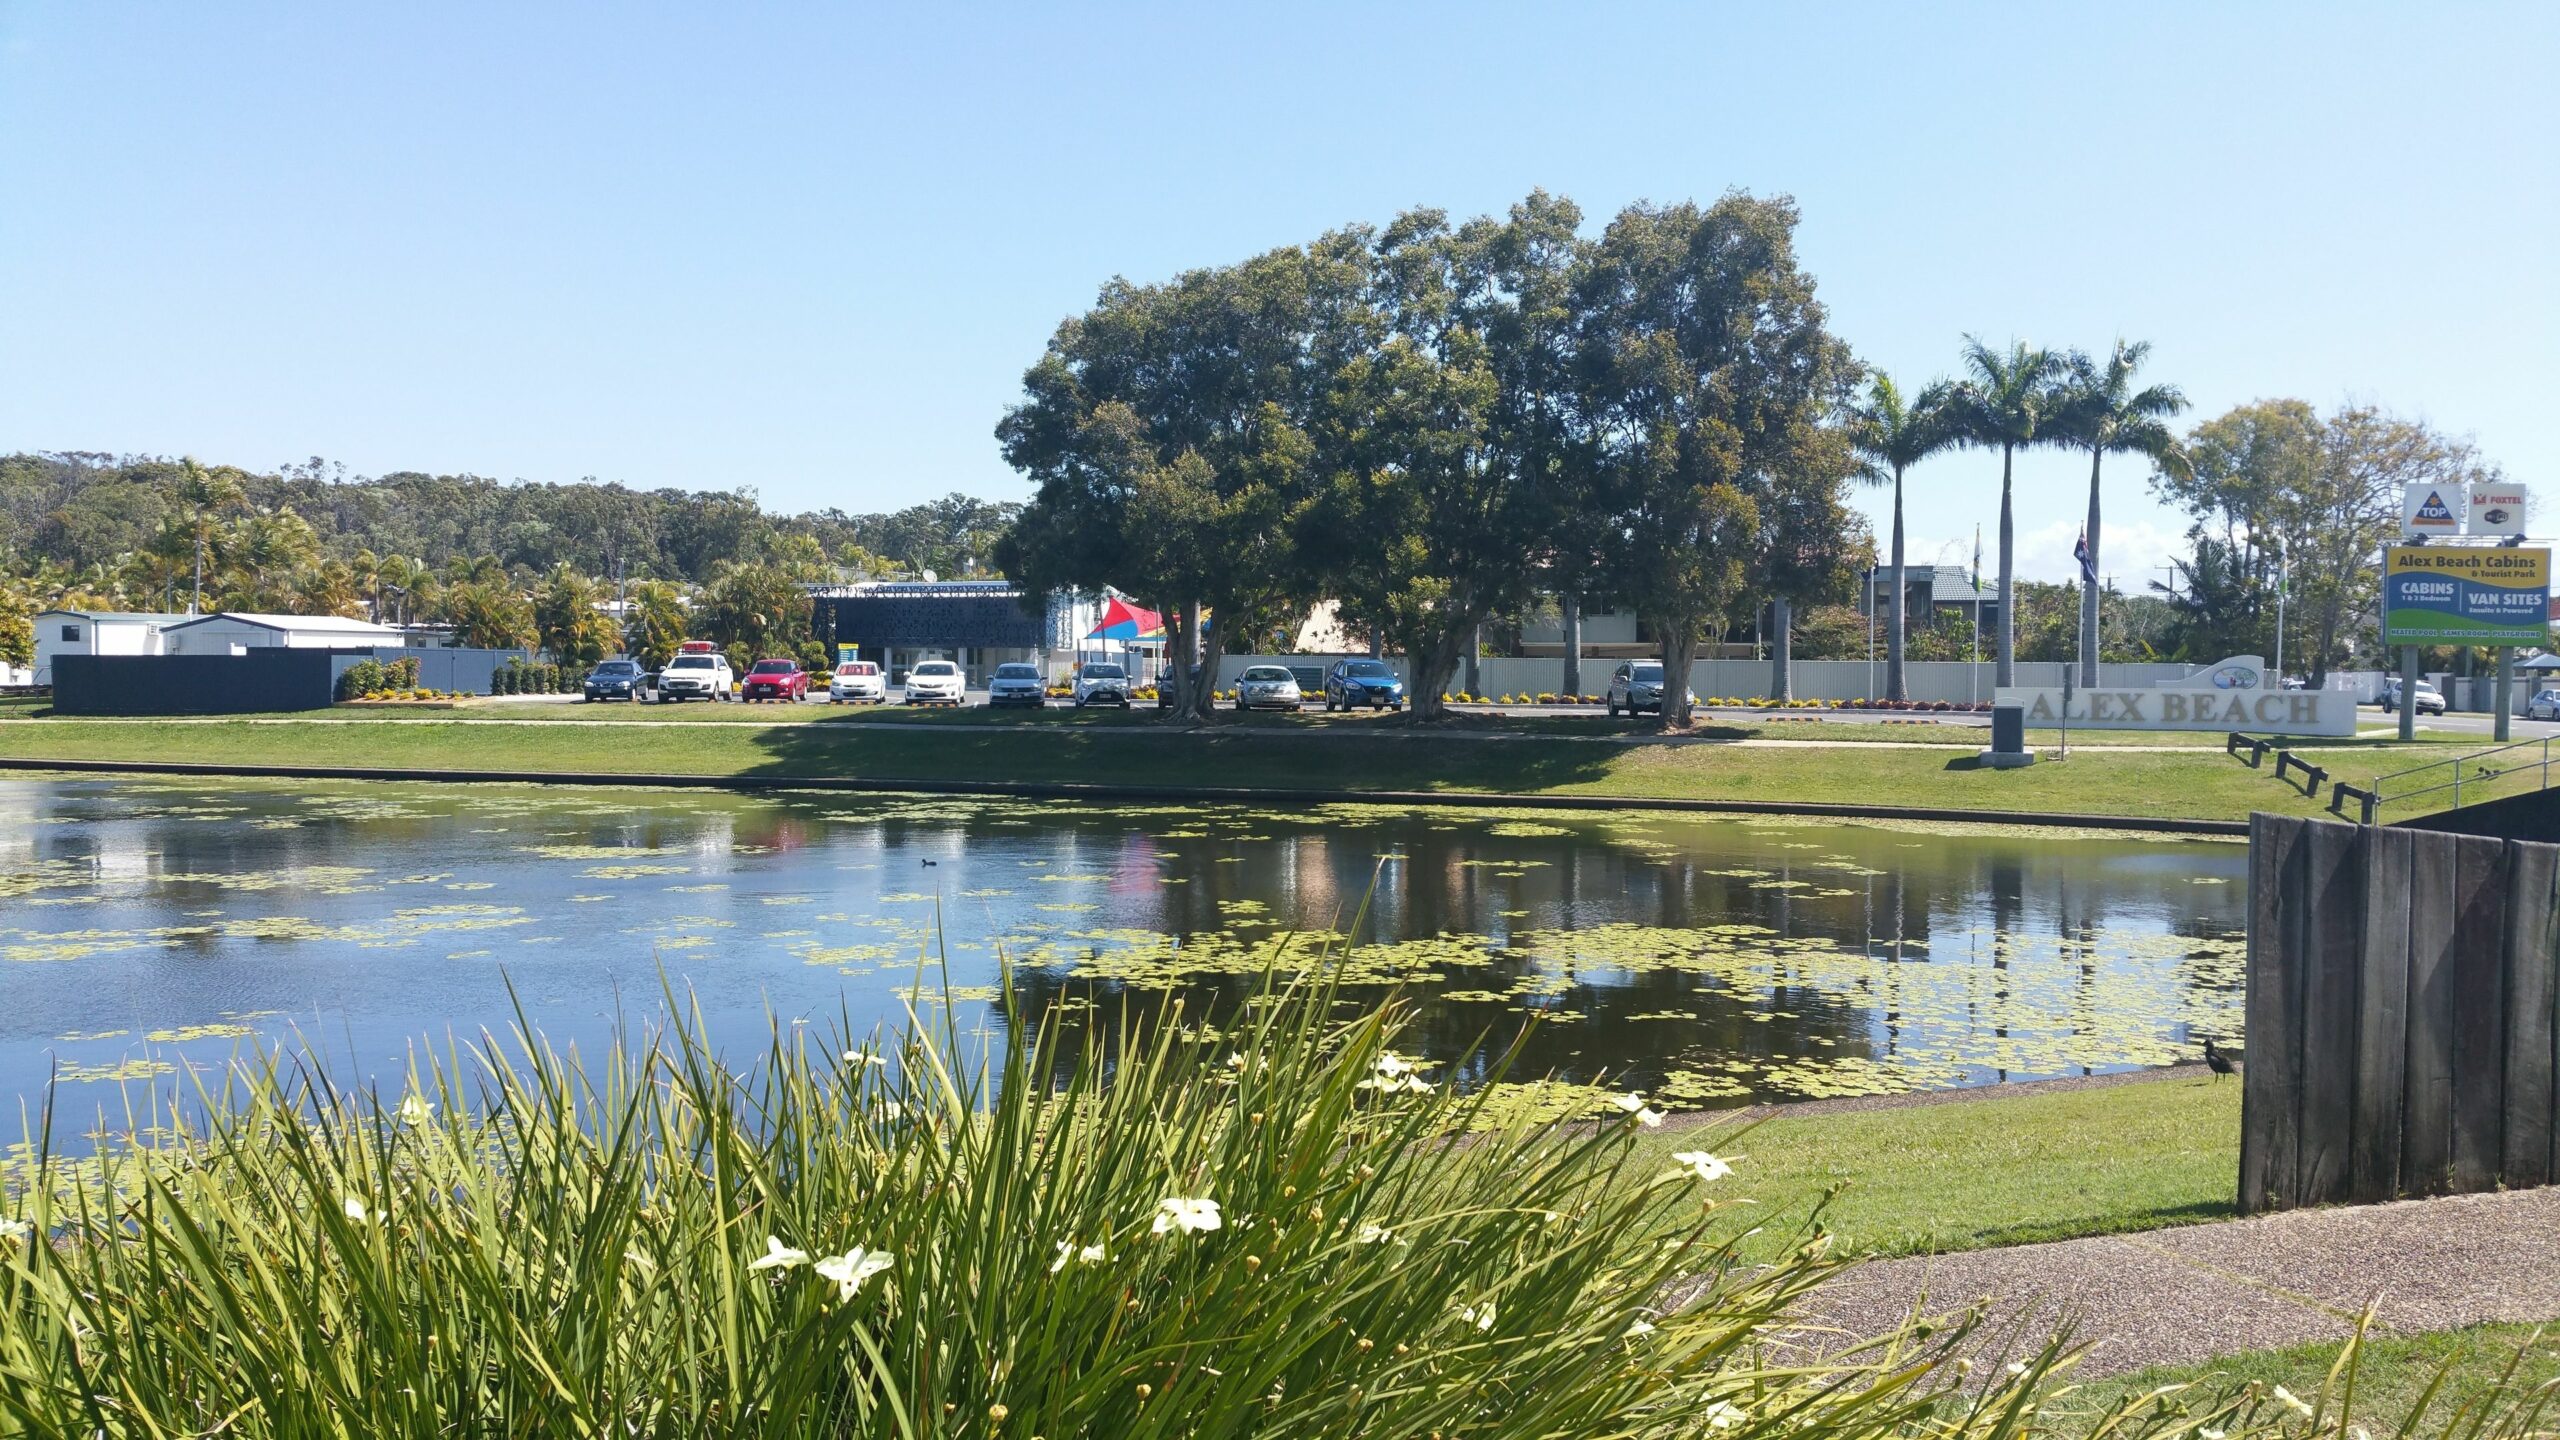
(2088, 562)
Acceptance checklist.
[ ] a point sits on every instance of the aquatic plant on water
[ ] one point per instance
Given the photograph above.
(1276, 1234)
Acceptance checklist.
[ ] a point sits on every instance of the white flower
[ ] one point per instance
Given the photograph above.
(1634, 1105)
(1372, 1233)
(1724, 1415)
(2209, 1433)
(1639, 1329)
(1480, 1316)
(1085, 1254)
(355, 1210)
(2293, 1402)
(1394, 1066)
(1409, 1084)
(850, 1269)
(863, 1057)
(1189, 1215)
(15, 1229)
(778, 1256)
(415, 1111)
(1701, 1164)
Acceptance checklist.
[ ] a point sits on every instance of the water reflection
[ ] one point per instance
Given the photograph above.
(1711, 960)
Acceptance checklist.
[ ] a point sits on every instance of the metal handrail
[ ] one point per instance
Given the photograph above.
(2459, 764)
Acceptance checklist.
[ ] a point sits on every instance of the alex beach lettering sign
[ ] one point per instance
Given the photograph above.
(2232, 695)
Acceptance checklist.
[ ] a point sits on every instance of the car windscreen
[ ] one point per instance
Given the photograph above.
(690, 662)
(617, 667)
(1105, 672)
(1368, 670)
(937, 668)
(1016, 672)
(1647, 673)
(1267, 672)
(773, 667)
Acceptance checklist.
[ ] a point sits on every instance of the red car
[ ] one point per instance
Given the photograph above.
(777, 680)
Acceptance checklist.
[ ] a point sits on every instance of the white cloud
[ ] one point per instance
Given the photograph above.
(2131, 552)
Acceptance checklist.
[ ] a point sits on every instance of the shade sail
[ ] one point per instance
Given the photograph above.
(1124, 621)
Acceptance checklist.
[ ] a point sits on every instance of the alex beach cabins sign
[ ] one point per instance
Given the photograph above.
(2441, 595)
(2232, 695)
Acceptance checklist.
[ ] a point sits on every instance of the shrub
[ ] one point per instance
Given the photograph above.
(404, 672)
(364, 679)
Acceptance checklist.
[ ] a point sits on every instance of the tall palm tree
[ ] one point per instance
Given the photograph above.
(2005, 400)
(2100, 411)
(205, 494)
(1893, 434)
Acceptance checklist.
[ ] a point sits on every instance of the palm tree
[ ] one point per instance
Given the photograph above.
(1893, 434)
(205, 493)
(2100, 411)
(2005, 401)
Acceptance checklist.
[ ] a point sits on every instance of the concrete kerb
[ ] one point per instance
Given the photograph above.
(1067, 790)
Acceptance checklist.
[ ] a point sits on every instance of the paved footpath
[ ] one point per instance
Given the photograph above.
(2179, 1296)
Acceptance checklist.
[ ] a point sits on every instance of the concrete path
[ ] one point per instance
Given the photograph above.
(2179, 1296)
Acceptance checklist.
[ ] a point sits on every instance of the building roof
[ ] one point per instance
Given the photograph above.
(1946, 582)
(139, 616)
(308, 624)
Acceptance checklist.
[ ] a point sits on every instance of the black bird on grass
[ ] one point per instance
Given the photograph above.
(2220, 1062)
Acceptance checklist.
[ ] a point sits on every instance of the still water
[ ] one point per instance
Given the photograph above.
(149, 928)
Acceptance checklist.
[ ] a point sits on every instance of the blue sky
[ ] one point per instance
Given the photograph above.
(811, 249)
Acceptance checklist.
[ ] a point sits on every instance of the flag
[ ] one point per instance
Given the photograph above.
(2088, 562)
(1977, 557)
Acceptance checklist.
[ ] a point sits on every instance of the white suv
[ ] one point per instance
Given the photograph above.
(1099, 682)
(858, 680)
(695, 677)
(936, 682)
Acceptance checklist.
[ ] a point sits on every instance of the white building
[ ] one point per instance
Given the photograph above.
(232, 633)
(97, 632)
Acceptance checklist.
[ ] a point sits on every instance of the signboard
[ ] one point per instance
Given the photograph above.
(2496, 510)
(2431, 510)
(2232, 695)
(2465, 595)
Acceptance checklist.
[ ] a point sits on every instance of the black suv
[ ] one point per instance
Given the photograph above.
(1362, 682)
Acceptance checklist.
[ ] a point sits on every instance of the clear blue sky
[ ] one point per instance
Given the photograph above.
(810, 249)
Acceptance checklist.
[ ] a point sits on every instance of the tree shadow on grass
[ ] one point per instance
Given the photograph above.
(1168, 758)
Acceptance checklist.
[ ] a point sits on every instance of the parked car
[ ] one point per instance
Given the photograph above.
(1637, 685)
(1164, 692)
(1099, 682)
(937, 682)
(2545, 705)
(1362, 682)
(1017, 684)
(616, 680)
(2429, 701)
(858, 682)
(1269, 687)
(696, 675)
(777, 680)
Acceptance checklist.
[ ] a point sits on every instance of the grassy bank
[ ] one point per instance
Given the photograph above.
(1966, 1174)
(2161, 782)
(2485, 1366)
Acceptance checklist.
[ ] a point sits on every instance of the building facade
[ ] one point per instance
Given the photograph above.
(233, 633)
(97, 632)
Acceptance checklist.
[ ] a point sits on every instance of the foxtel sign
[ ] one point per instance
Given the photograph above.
(2229, 696)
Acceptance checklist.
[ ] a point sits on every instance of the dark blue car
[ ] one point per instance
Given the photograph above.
(615, 680)
(1353, 683)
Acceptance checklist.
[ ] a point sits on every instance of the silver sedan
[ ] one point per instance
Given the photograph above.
(1268, 687)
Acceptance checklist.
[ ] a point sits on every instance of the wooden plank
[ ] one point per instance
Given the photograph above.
(2382, 1018)
(2426, 1110)
(2270, 1079)
(2479, 963)
(2330, 929)
(2533, 985)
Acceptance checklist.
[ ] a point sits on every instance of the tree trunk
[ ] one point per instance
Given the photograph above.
(1782, 649)
(2089, 585)
(1572, 607)
(1475, 652)
(2004, 665)
(1432, 663)
(1894, 688)
(1679, 652)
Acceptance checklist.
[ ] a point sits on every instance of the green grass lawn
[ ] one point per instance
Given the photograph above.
(2392, 1372)
(1272, 752)
(1967, 1174)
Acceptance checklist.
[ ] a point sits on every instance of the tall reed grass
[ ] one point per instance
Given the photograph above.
(1287, 1232)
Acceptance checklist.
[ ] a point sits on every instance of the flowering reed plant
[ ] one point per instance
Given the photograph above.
(1127, 1230)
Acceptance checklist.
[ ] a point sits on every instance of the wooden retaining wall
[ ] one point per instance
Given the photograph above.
(2401, 1014)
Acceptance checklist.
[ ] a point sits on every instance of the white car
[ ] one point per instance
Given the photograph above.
(695, 676)
(1017, 684)
(1099, 682)
(2430, 700)
(858, 682)
(936, 682)
(1268, 687)
(2545, 705)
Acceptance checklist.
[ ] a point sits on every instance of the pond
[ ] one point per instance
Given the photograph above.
(146, 929)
